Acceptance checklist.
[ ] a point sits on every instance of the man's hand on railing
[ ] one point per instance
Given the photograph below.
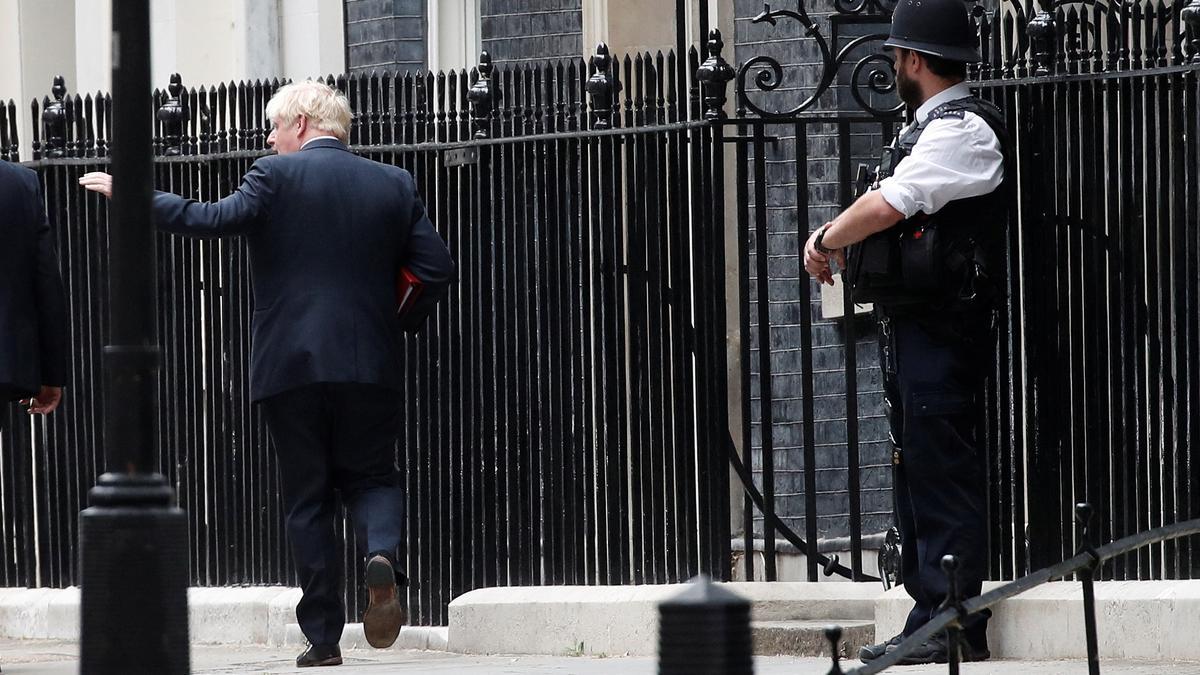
(97, 181)
(45, 402)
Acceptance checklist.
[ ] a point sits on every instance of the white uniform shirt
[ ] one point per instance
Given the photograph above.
(953, 159)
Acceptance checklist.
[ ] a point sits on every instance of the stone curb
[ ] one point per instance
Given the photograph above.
(1155, 620)
(253, 615)
(1152, 620)
(623, 620)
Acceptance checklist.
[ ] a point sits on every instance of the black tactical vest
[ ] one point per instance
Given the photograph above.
(950, 260)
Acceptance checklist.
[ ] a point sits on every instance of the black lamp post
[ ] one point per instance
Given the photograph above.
(133, 539)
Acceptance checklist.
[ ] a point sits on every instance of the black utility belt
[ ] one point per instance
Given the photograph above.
(902, 265)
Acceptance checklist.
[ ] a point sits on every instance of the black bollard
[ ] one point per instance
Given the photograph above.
(705, 630)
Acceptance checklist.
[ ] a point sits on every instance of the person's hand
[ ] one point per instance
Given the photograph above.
(97, 181)
(45, 402)
(817, 263)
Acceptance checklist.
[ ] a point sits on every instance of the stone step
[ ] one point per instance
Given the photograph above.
(807, 637)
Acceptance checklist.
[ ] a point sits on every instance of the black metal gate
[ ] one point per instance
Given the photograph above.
(1096, 393)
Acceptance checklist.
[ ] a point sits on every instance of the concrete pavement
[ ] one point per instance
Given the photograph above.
(50, 657)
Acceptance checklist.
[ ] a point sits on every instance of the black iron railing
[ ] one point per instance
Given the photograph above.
(585, 348)
(1095, 392)
(576, 369)
(1085, 564)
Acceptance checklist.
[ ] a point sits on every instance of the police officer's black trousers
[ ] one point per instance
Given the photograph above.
(933, 376)
(335, 437)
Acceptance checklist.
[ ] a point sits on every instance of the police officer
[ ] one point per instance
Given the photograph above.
(923, 246)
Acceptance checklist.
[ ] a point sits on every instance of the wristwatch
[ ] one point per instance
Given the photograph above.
(819, 242)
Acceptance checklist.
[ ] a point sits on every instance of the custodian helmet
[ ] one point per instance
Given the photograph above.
(938, 27)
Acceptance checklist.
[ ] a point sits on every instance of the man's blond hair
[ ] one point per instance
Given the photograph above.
(325, 107)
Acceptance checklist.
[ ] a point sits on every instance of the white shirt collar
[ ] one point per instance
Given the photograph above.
(317, 139)
(951, 93)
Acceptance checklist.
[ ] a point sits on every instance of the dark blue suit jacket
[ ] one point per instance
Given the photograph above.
(327, 233)
(33, 305)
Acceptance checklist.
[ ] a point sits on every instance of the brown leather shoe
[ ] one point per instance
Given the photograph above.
(319, 655)
(384, 615)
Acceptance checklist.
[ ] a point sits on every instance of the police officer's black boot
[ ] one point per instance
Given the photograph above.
(871, 652)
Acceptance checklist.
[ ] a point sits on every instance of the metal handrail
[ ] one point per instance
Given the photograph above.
(830, 565)
(954, 610)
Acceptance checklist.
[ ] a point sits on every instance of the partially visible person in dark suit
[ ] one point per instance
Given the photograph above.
(33, 305)
(328, 232)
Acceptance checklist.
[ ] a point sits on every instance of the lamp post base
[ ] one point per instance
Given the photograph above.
(134, 578)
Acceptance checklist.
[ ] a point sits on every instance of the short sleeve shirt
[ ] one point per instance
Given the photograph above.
(955, 158)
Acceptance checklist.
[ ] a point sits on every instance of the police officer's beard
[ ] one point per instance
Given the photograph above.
(908, 90)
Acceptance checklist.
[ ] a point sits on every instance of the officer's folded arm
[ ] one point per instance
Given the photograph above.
(935, 173)
(871, 213)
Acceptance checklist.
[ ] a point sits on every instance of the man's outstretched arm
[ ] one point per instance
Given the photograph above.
(235, 214)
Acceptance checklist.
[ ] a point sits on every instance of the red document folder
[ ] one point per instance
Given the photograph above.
(408, 289)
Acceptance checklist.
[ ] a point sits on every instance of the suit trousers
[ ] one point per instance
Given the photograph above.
(336, 438)
(933, 371)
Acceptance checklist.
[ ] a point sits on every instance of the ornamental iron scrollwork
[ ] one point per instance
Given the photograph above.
(865, 7)
(1191, 17)
(875, 72)
(871, 76)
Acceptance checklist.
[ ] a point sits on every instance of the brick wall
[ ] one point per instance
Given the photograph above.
(801, 60)
(386, 35)
(523, 31)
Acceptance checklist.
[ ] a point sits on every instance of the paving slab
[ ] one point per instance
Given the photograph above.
(49, 657)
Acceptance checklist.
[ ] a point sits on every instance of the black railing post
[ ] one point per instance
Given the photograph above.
(1083, 516)
(172, 114)
(834, 635)
(1191, 16)
(950, 565)
(482, 97)
(54, 120)
(1042, 34)
(600, 88)
(133, 539)
(715, 74)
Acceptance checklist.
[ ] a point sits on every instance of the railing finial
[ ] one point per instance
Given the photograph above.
(54, 120)
(172, 114)
(715, 74)
(482, 97)
(1083, 516)
(600, 87)
(1042, 31)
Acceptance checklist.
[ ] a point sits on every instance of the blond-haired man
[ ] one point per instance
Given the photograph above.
(327, 232)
